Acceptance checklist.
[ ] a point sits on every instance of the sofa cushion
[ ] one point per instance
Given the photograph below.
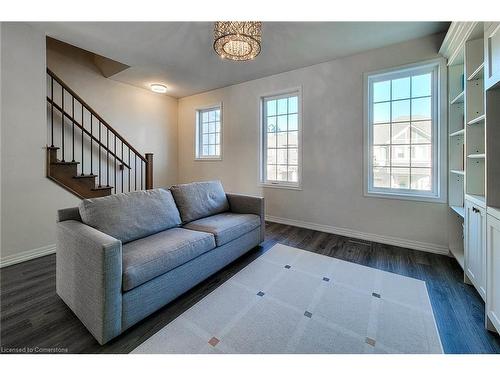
(129, 216)
(152, 256)
(226, 226)
(199, 199)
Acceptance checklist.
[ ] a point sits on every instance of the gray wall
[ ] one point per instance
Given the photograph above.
(332, 195)
(29, 200)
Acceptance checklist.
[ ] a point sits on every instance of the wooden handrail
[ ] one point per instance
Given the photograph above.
(95, 139)
(94, 113)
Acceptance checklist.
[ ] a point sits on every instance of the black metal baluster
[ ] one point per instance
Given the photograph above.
(135, 170)
(129, 169)
(62, 122)
(91, 146)
(52, 111)
(73, 130)
(107, 156)
(100, 153)
(142, 163)
(123, 167)
(82, 143)
(114, 151)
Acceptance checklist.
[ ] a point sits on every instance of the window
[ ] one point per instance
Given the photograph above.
(402, 132)
(208, 133)
(281, 156)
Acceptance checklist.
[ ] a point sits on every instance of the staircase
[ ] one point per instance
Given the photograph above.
(86, 155)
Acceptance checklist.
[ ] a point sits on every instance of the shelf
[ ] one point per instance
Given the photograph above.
(459, 210)
(458, 132)
(476, 156)
(477, 74)
(458, 99)
(456, 171)
(477, 120)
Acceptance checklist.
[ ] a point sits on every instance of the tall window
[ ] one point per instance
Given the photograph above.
(208, 133)
(281, 140)
(402, 132)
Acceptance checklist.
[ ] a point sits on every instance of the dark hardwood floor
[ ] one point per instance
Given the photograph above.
(33, 316)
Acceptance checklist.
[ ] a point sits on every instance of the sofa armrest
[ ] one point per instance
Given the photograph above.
(89, 277)
(248, 204)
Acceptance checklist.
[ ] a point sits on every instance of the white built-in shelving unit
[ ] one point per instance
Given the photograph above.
(466, 118)
(492, 232)
(473, 52)
(475, 118)
(456, 142)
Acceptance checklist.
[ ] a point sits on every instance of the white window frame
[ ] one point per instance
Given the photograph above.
(263, 140)
(439, 138)
(197, 141)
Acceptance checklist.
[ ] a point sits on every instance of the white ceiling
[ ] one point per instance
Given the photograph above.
(180, 54)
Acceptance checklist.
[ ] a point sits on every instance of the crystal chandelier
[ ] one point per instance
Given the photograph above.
(239, 41)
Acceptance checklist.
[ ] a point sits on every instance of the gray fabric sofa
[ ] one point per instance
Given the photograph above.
(122, 257)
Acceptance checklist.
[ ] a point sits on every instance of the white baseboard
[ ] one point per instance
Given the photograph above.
(27, 255)
(395, 241)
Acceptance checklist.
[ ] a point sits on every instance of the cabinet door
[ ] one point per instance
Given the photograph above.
(493, 271)
(492, 55)
(475, 246)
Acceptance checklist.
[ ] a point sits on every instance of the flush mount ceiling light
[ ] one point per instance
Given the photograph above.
(238, 41)
(156, 87)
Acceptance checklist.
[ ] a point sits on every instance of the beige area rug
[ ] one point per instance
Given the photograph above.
(295, 301)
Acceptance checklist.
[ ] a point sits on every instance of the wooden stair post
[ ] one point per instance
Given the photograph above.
(149, 171)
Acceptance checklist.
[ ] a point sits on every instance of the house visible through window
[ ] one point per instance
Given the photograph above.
(281, 140)
(208, 133)
(402, 132)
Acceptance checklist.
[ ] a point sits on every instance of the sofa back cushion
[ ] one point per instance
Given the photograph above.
(199, 199)
(129, 216)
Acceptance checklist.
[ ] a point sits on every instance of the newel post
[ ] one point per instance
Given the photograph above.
(149, 171)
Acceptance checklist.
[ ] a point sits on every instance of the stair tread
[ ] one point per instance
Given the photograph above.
(52, 148)
(66, 162)
(85, 176)
(102, 188)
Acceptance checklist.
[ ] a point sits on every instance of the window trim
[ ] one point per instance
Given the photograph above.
(197, 134)
(439, 194)
(262, 139)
